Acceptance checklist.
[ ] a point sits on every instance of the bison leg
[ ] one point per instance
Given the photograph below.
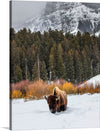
(63, 108)
(58, 110)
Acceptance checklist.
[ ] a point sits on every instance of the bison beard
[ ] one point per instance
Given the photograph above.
(57, 101)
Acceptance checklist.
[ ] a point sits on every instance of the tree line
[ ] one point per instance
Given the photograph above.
(53, 55)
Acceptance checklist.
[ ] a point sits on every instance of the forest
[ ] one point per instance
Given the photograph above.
(53, 55)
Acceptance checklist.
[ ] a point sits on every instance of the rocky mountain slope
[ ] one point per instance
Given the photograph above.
(67, 17)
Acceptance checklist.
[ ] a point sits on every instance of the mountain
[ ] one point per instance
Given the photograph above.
(65, 16)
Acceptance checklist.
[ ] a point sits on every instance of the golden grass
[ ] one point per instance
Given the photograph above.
(89, 89)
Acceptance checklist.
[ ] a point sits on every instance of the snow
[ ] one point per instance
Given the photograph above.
(95, 81)
(97, 33)
(82, 112)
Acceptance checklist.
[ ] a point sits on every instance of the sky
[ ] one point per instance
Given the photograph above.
(24, 10)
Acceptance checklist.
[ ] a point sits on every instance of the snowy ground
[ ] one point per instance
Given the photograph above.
(82, 112)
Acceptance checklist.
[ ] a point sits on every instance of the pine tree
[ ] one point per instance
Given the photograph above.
(58, 60)
(78, 67)
(60, 68)
(52, 62)
(31, 58)
(23, 61)
(69, 65)
(87, 72)
(85, 65)
(12, 34)
(96, 59)
(18, 74)
(34, 72)
(14, 58)
(78, 37)
(43, 71)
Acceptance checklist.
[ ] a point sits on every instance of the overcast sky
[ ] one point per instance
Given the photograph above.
(23, 10)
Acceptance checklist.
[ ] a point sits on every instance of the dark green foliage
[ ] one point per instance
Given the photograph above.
(52, 62)
(17, 74)
(69, 65)
(60, 67)
(43, 71)
(78, 67)
(12, 34)
(74, 58)
(35, 72)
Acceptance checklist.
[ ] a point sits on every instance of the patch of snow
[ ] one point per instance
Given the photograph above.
(97, 33)
(95, 81)
(82, 112)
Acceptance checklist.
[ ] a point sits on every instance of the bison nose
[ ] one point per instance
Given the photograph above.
(53, 111)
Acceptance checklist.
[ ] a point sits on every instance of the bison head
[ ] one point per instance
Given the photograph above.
(52, 101)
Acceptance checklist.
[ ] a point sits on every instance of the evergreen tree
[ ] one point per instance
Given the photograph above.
(52, 62)
(17, 74)
(60, 68)
(85, 65)
(96, 59)
(87, 72)
(62, 56)
(69, 65)
(78, 37)
(78, 67)
(31, 59)
(23, 61)
(14, 59)
(34, 72)
(43, 71)
(12, 34)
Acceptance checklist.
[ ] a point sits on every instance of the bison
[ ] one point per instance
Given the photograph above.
(57, 101)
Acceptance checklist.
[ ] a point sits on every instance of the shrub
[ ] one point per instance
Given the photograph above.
(89, 89)
(69, 88)
(20, 86)
(37, 89)
(16, 94)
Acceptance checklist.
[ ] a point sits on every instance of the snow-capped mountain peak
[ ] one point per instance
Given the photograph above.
(64, 16)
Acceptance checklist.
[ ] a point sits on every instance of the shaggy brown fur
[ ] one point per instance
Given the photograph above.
(52, 102)
(62, 99)
(57, 101)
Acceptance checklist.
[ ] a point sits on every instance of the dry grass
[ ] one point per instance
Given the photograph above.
(89, 89)
(37, 89)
